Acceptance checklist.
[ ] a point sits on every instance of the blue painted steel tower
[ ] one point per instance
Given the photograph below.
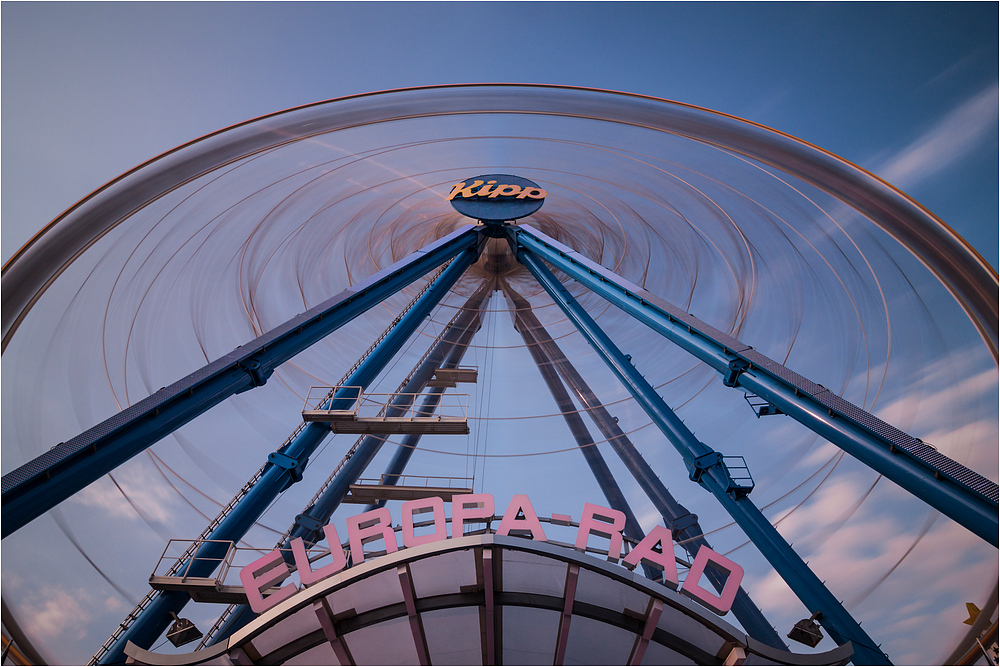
(496, 202)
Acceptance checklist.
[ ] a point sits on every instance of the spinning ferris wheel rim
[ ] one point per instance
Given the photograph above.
(964, 273)
(265, 148)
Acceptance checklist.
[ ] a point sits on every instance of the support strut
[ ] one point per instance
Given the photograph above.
(41, 484)
(154, 618)
(397, 465)
(333, 496)
(682, 523)
(308, 525)
(595, 460)
(716, 479)
(957, 492)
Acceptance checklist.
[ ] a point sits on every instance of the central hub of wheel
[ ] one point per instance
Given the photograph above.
(496, 198)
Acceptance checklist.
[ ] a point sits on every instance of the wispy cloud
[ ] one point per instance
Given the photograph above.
(147, 494)
(951, 405)
(891, 523)
(55, 613)
(949, 140)
(872, 545)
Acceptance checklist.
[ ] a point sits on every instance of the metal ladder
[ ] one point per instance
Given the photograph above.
(239, 496)
(231, 608)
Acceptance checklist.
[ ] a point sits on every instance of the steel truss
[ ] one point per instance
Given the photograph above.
(552, 363)
(706, 467)
(961, 494)
(44, 482)
(285, 466)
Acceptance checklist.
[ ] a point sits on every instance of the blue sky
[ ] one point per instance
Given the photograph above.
(907, 91)
(92, 90)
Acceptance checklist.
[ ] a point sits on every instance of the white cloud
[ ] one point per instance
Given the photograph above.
(951, 416)
(869, 546)
(949, 403)
(953, 137)
(115, 603)
(150, 493)
(11, 580)
(56, 613)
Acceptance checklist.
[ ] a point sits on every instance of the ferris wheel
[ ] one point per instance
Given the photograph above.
(522, 274)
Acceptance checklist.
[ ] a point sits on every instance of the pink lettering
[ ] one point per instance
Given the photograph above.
(309, 576)
(369, 527)
(433, 505)
(662, 559)
(692, 588)
(604, 522)
(261, 575)
(520, 504)
(469, 507)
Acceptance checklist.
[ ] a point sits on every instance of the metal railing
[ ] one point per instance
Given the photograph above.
(195, 547)
(739, 474)
(402, 480)
(406, 380)
(355, 403)
(152, 594)
(392, 325)
(761, 407)
(322, 399)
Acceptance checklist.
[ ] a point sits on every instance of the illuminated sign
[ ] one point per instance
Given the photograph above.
(496, 197)
(655, 550)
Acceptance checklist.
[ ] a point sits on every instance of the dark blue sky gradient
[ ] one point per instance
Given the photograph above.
(91, 90)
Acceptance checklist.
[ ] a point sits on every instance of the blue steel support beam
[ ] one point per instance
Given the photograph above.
(683, 524)
(47, 480)
(285, 469)
(308, 525)
(715, 477)
(959, 493)
(641, 471)
(581, 434)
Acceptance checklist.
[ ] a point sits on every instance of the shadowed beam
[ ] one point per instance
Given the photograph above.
(961, 494)
(416, 627)
(325, 616)
(572, 577)
(642, 641)
(41, 484)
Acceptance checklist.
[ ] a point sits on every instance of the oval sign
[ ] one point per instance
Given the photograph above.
(496, 197)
